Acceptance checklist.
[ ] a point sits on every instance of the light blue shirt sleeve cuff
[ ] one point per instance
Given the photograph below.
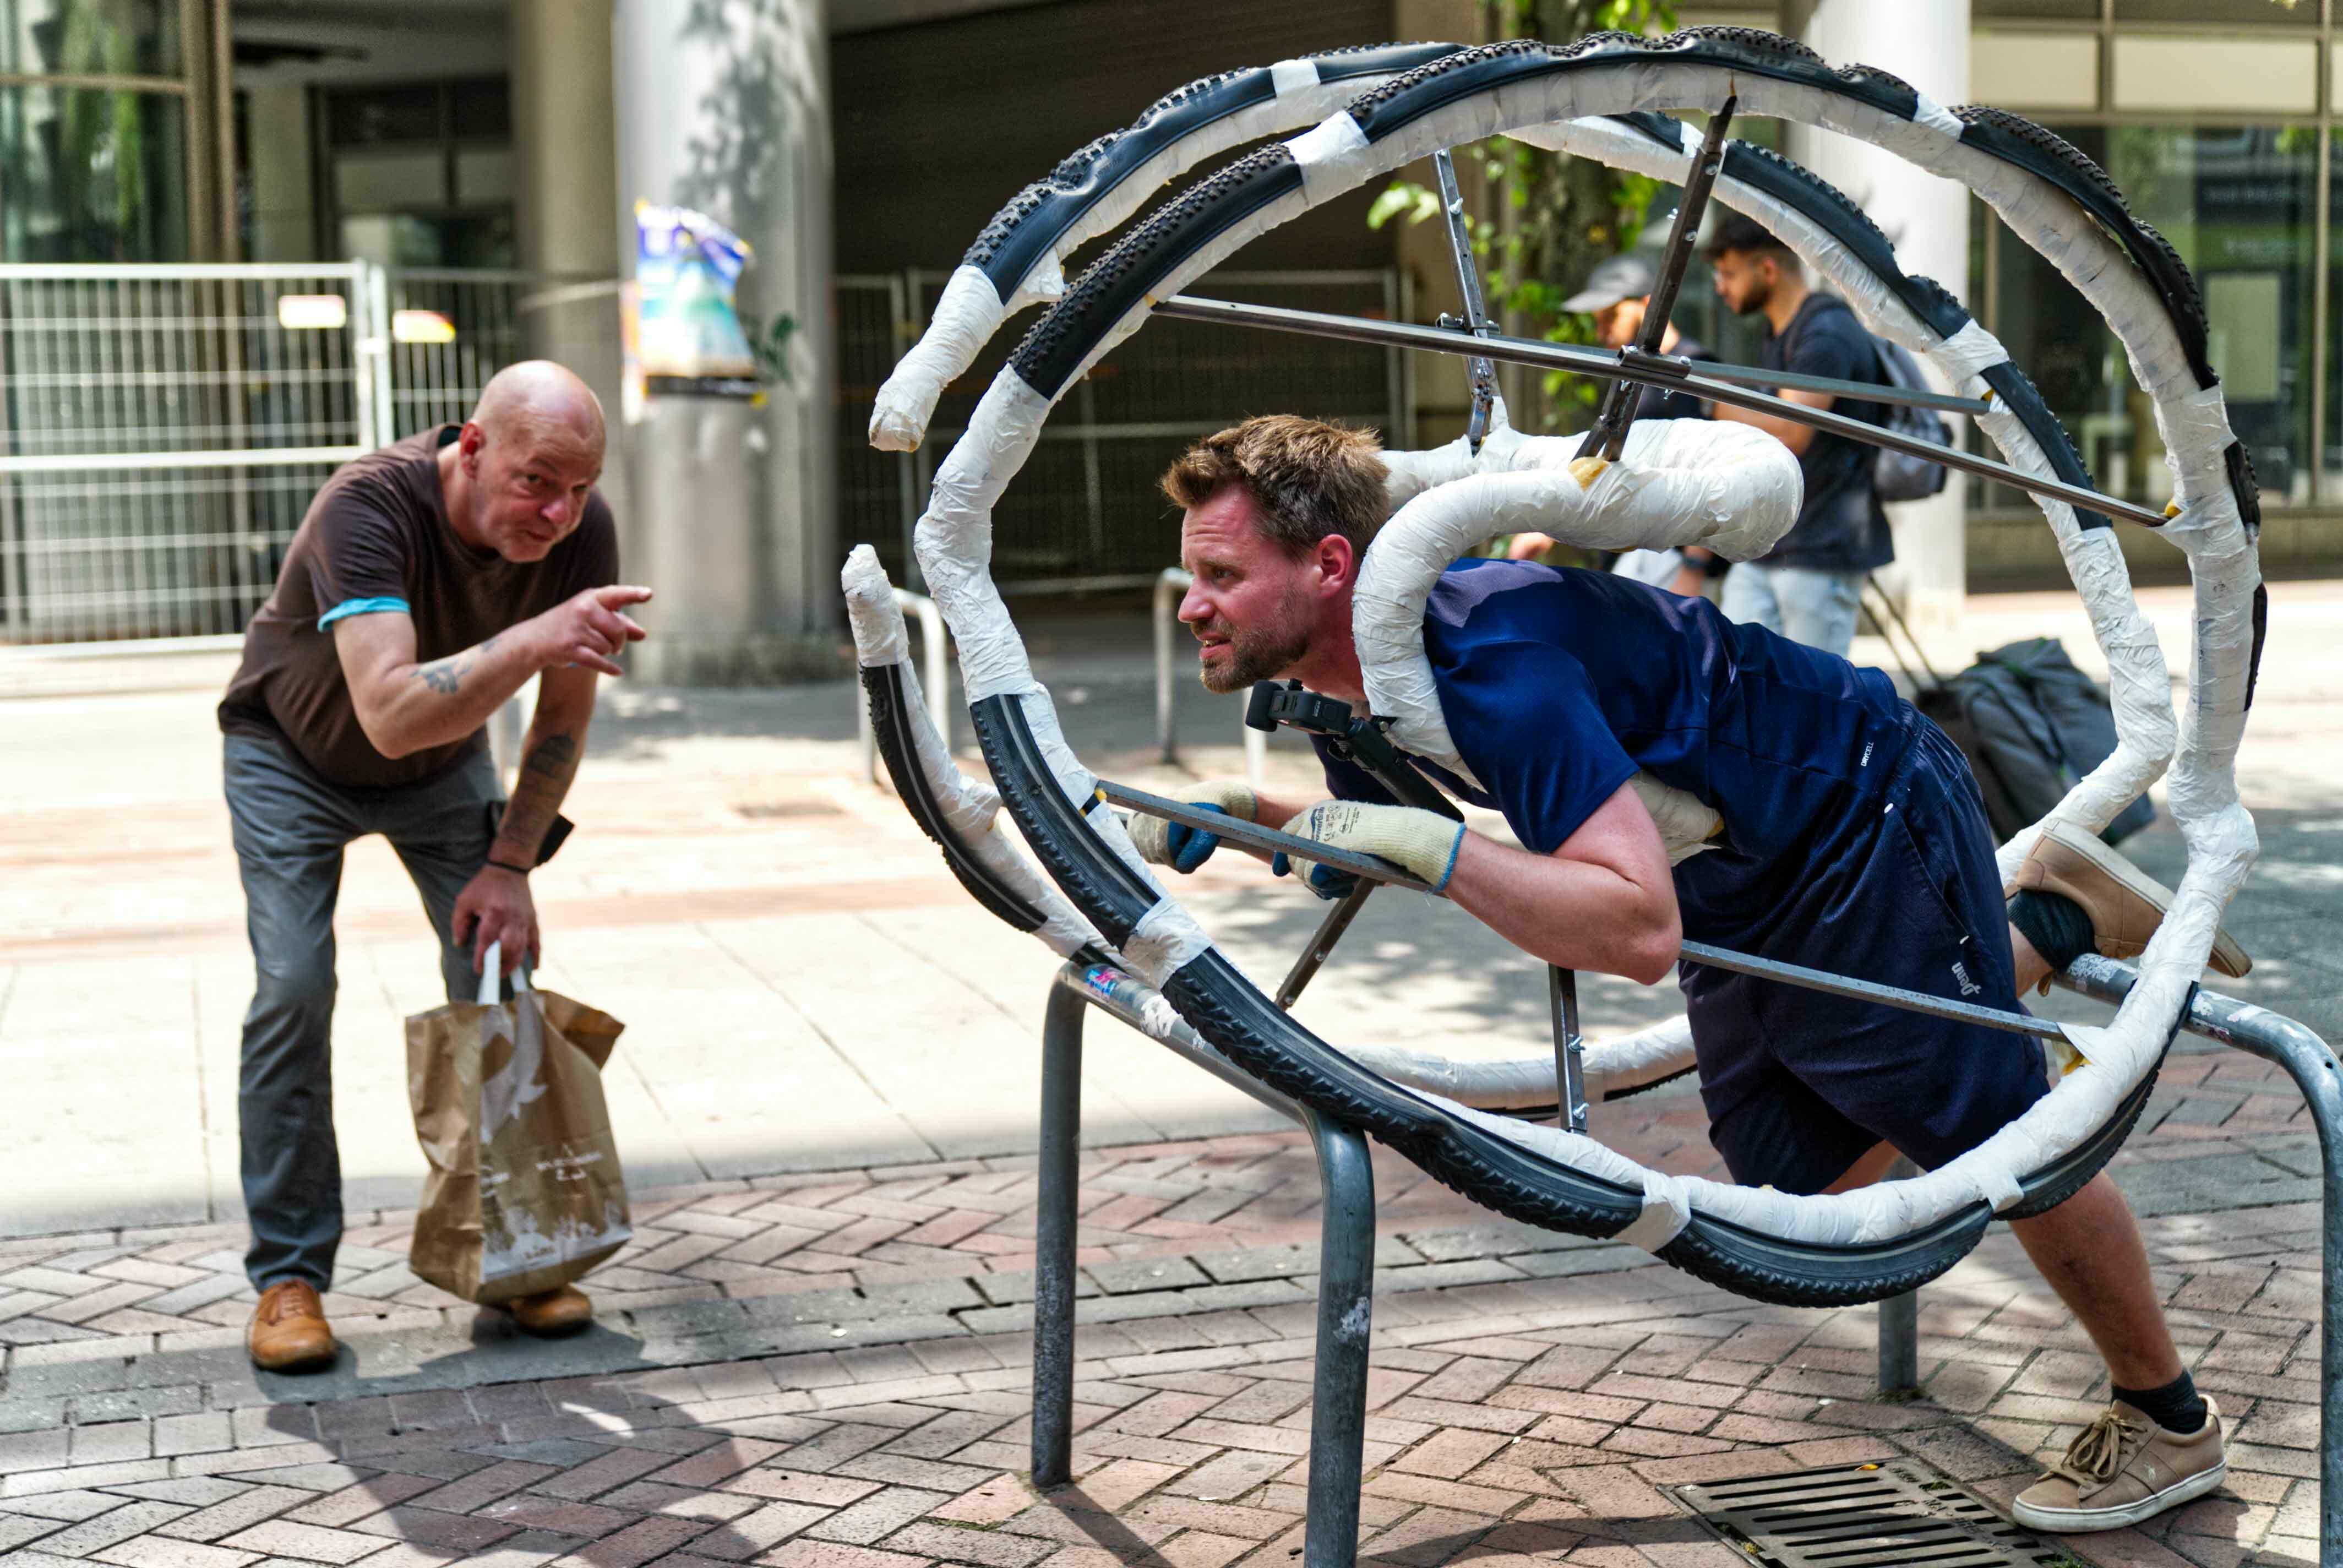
(351, 606)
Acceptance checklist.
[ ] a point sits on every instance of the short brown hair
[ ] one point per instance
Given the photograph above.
(1310, 478)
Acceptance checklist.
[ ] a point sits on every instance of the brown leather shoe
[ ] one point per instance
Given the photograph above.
(2125, 904)
(288, 1332)
(548, 1315)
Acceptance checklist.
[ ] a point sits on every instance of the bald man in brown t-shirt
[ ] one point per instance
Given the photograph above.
(429, 582)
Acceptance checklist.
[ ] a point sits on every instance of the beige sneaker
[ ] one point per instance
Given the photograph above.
(2124, 1467)
(2125, 903)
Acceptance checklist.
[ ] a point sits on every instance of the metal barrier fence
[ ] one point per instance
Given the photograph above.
(1085, 514)
(163, 428)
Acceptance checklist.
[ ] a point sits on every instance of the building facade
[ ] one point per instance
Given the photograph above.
(859, 144)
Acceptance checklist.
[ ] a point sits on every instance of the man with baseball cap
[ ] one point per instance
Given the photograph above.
(1617, 293)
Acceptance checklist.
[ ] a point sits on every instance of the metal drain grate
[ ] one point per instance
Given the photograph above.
(1897, 1514)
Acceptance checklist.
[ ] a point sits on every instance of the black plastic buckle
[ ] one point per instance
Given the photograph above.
(1362, 739)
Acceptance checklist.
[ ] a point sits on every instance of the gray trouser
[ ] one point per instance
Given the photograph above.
(1805, 604)
(290, 828)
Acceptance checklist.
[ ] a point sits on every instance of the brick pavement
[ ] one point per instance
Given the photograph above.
(828, 1372)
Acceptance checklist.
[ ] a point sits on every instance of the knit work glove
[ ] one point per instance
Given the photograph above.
(1183, 847)
(1425, 844)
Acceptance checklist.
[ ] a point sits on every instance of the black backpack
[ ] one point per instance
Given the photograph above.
(2031, 725)
(1899, 476)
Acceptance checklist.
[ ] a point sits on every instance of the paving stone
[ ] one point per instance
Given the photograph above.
(112, 1526)
(1573, 1375)
(308, 1541)
(638, 1544)
(151, 1551)
(1134, 1274)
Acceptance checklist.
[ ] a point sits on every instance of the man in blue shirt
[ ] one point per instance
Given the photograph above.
(1851, 838)
(1809, 587)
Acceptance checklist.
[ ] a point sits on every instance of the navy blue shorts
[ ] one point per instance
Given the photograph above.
(1902, 890)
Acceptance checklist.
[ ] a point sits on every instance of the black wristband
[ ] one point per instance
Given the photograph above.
(502, 866)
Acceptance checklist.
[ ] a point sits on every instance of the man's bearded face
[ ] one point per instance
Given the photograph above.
(1249, 605)
(1261, 650)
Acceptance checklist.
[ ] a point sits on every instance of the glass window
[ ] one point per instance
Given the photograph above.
(90, 37)
(368, 114)
(432, 239)
(2236, 202)
(481, 108)
(92, 175)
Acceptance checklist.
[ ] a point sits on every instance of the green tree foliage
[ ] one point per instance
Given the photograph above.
(1567, 213)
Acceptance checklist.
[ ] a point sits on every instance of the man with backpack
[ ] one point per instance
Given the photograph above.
(1809, 588)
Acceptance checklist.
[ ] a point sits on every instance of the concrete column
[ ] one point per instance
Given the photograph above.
(565, 210)
(736, 503)
(1929, 220)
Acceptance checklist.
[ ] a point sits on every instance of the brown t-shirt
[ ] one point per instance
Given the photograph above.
(377, 538)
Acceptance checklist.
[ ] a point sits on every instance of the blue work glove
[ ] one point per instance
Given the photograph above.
(1183, 847)
(1189, 848)
(1323, 880)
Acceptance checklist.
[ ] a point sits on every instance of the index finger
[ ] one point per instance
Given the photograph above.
(617, 594)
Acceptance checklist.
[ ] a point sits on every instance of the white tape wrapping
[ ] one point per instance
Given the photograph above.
(1613, 1066)
(967, 315)
(1667, 1209)
(1732, 488)
(879, 636)
(1166, 938)
(972, 808)
(1330, 153)
(954, 538)
(1291, 76)
(957, 533)
(972, 309)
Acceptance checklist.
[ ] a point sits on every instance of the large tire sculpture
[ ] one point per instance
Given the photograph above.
(1606, 97)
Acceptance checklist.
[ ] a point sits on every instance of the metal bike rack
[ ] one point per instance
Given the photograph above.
(1347, 1244)
(1346, 1270)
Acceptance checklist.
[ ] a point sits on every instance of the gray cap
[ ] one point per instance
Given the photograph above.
(1620, 277)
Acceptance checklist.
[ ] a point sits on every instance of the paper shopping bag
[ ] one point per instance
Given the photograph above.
(525, 1192)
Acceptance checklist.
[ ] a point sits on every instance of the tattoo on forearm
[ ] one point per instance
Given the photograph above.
(446, 675)
(555, 755)
(544, 775)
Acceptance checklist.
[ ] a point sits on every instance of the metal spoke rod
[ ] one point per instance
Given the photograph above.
(1656, 370)
(1476, 315)
(1630, 363)
(1622, 398)
(1254, 836)
(1569, 1048)
(1321, 943)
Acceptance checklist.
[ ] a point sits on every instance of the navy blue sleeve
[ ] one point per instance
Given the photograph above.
(1836, 345)
(1346, 780)
(1525, 718)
